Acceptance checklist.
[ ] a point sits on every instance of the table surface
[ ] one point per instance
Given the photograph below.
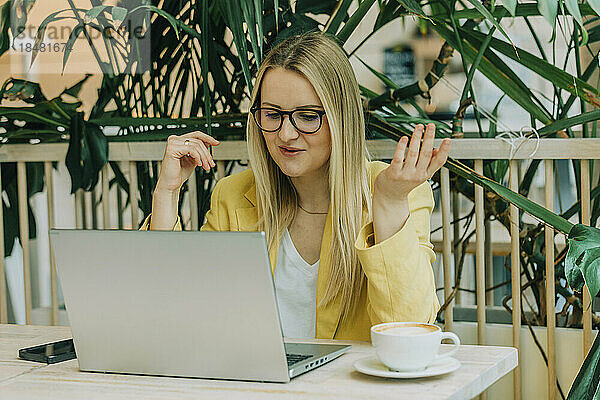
(19, 379)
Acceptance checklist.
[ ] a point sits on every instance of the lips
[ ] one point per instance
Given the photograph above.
(290, 151)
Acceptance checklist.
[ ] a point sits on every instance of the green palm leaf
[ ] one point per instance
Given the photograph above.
(354, 20)
(235, 23)
(500, 74)
(338, 17)
(204, 63)
(486, 13)
(563, 124)
(549, 9)
(573, 8)
(557, 76)
(511, 6)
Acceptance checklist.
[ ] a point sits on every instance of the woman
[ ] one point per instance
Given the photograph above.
(348, 239)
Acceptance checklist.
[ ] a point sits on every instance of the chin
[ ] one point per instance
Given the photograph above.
(291, 171)
(295, 167)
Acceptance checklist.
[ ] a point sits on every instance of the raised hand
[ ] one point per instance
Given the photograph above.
(405, 172)
(182, 154)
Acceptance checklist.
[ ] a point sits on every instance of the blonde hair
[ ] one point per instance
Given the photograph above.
(324, 64)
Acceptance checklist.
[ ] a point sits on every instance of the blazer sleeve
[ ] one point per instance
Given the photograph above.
(146, 224)
(400, 281)
(217, 214)
(213, 218)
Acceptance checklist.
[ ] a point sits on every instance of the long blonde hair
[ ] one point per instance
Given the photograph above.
(324, 64)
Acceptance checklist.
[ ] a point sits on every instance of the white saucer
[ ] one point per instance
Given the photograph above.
(372, 366)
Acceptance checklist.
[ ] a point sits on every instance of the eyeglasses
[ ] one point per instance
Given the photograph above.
(271, 119)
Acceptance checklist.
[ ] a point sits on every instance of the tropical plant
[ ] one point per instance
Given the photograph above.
(208, 52)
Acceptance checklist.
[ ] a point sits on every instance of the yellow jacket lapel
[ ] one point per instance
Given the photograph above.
(247, 219)
(328, 316)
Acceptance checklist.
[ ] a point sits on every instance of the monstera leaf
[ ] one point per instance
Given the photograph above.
(87, 153)
(582, 265)
(587, 383)
(20, 89)
(4, 27)
(13, 17)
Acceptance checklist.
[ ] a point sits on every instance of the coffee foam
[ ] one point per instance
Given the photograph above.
(401, 330)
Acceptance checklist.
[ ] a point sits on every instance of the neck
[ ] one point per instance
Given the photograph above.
(313, 191)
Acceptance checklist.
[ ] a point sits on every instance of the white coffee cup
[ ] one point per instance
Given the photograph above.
(410, 346)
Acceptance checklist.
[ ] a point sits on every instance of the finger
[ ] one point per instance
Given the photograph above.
(177, 147)
(194, 140)
(439, 158)
(400, 150)
(203, 137)
(426, 148)
(206, 156)
(413, 147)
(181, 151)
(203, 146)
(443, 144)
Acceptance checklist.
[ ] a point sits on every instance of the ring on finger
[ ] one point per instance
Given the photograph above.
(186, 142)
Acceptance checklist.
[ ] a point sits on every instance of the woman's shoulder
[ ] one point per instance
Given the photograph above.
(245, 177)
(236, 186)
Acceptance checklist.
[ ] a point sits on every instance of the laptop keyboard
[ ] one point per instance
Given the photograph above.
(296, 358)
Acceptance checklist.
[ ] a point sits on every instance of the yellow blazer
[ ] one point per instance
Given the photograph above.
(400, 283)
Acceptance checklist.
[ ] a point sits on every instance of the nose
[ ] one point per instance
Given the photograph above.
(287, 131)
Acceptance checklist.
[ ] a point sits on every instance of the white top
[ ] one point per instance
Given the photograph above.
(296, 290)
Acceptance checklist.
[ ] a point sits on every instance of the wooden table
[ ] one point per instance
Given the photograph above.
(481, 366)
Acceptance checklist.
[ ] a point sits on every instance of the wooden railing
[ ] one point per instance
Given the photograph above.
(127, 154)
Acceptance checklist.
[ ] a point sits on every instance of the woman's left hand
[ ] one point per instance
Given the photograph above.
(392, 185)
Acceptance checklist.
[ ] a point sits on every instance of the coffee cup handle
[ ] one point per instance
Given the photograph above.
(455, 339)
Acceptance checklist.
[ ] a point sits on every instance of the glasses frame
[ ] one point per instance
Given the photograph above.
(289, 113)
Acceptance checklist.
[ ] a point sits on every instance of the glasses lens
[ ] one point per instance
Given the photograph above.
(268, 119)
(307, 121)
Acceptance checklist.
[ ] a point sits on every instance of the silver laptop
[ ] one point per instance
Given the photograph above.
(192, 304)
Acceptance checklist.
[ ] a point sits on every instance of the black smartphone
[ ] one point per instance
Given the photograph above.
(50, 353)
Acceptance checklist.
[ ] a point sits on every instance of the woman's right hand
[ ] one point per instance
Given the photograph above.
(183, 154)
